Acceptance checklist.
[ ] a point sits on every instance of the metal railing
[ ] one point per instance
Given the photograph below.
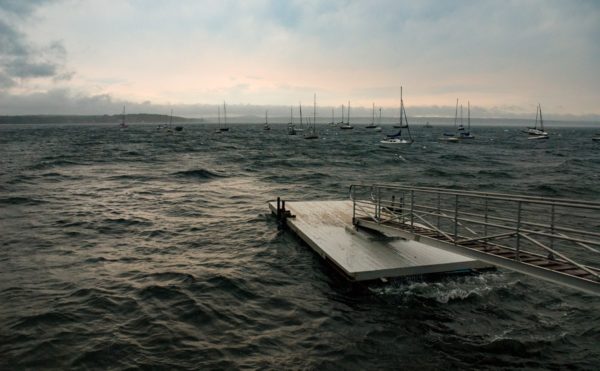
(555, 229)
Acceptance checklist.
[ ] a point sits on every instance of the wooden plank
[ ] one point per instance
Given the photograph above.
(326, 226)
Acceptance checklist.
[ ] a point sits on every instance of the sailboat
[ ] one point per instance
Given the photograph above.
(312, 130)
(218, 129)
(342, 122)
(291, 129)
(466, 134)
(400, 124)
(394, 139)
(169, 126)
(123, 125)
(332, 123)
(460, 126)
(266, 126)
(535, 132)
(347, 125)
(224, 127)
(452, 137)
(177, 127)
(372, 124)
(378, 128)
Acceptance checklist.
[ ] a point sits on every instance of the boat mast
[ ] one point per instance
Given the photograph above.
(301, 124)
(456, 113)
(461, 116)
(469, 115)
(219, 115)
(541, 119)
(348, 113)
(401, 103)
(373, 118)
(224, 114)
(291, 116)
(315, 112)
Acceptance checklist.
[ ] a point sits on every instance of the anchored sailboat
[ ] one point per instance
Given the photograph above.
(341, 123)
(397, 138)
(224, 127)
(466, 134)
(535, 132)
(291, 128)
(312, 130)
(347, 125)
(452, 137)
(400, 124)
(372, 124)
(266, 126)
(123, 125)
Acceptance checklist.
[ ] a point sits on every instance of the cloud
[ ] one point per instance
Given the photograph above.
(21, 59)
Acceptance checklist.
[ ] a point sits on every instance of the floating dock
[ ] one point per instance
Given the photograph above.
(327, 227)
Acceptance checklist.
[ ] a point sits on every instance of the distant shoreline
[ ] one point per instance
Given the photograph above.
(92, 119)
(147, 118)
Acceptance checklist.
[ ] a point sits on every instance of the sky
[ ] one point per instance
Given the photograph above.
(504, 57)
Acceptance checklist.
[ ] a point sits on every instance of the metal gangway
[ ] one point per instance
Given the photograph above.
(557, 240)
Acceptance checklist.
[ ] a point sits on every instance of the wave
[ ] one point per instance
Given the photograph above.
(198, 174)
(20, 201)
(499, 174)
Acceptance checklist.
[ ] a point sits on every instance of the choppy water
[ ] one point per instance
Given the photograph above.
(140, 249)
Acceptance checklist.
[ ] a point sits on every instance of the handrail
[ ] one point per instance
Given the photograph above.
(495, 196)
(564, 229)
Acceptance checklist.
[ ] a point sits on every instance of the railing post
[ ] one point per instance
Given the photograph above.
(552, 214)
(378, 207)
(412, 208)
(485, 219)
(402, 206)
(455, 219)
(439, 197)
(519, 230)
(353, 205)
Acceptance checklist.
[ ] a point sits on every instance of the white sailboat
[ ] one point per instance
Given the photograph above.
(394, 139)
(535, 132)
(372, 124)
(311, 133)
(466, 134)
(452, 137)
(347, 125)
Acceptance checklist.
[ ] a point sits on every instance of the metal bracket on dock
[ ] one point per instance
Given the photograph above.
(282, 214)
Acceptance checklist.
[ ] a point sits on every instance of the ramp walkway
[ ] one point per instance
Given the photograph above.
(557, 240)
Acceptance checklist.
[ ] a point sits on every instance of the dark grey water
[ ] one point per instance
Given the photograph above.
(126, 249)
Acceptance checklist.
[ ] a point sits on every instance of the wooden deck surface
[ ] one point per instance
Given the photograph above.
(326, 226)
